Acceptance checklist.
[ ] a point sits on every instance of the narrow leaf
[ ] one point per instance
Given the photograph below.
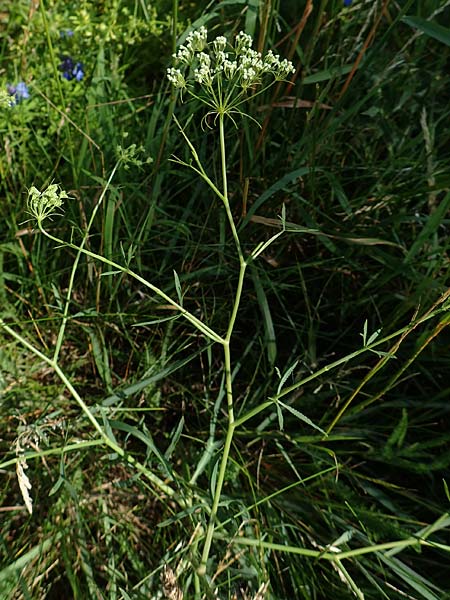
(175, 438)
(269, 329)
(286, 376)
(302, 417)
(439, 33)
(276, 187)
(178, 287)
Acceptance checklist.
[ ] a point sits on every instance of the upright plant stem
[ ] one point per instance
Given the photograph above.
(174, 25)
(227, 360)
(225, 188)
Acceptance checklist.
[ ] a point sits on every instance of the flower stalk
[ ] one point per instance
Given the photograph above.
(220, 75)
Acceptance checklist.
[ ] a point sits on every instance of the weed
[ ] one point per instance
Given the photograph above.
(224, 355)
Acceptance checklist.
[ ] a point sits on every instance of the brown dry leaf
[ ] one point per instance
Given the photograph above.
(24, 483)
(171, 589)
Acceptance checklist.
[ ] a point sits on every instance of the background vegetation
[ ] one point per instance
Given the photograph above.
(344, 317)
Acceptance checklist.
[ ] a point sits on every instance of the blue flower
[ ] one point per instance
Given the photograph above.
(78, 71)
(66, 33)
(347, 2)
(19, 91)
(71, 69)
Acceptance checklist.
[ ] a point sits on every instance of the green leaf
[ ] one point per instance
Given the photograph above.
(100, 354)
(276, 187)
(146, 438)
(447, 493)
(327, 74)
(301, 416)
(439, 33)
(269, 329)
(56, 486)
(418, 583)
(178, 287)
(343, 538)
(373, 336)
(397, 437)
(286, 376)
(136, 388)
(251, 16)
(211, 448)
(175, 438)
(180, 515)
(431, 226)
(280, 417)
(364, 333)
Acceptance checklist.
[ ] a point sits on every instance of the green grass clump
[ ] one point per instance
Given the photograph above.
(225, 345)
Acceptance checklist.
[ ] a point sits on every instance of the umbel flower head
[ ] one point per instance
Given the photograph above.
(219, 73)
(42, 204)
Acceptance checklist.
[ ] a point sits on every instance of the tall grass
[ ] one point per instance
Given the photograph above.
(224, 359)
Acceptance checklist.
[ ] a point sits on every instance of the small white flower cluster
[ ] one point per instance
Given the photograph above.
(202, 74)
(212, 67)
(280, 69)
(220, 43)
(243, 42)
(195, 42)
(176, 77)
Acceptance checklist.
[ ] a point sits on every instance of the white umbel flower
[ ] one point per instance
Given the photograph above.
(225, 71)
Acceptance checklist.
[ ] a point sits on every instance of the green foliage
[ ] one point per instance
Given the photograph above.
(224, 363)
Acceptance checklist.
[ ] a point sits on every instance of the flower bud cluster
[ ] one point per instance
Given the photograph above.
(43, 204)
(224, 71)
(202, 74)
(176, 77)
(195, 42)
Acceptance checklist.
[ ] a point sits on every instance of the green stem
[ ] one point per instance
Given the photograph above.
(190, 317)
(174, 25)
(223, 464)
(227, 359)
(86, 410)
(334, 556)
(329, 367)
(223, 156)
(225, 189)
(200, 171)
(231, 422)
(76, 447)
(237, 300)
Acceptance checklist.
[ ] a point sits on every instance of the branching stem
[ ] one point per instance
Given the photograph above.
(227, 360)
(202, 327)
(110, 443)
